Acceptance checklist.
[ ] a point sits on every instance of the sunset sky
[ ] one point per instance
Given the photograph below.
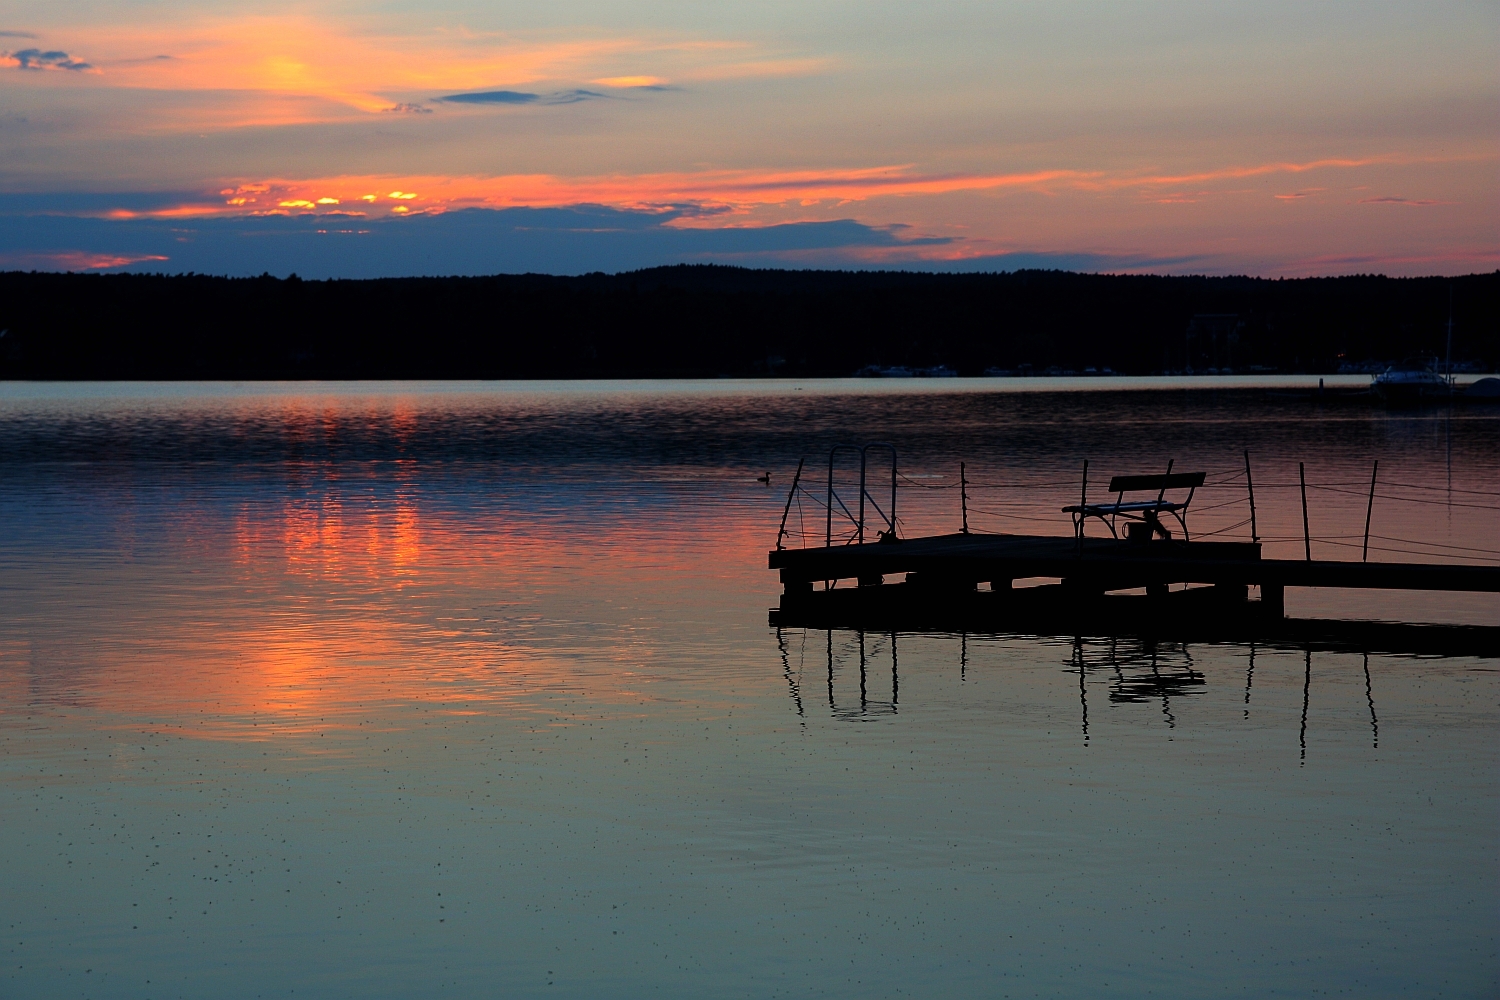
(381, 138)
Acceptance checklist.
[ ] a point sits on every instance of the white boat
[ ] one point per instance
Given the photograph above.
(1412, 380)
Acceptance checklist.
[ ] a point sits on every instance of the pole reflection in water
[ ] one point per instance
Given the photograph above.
(863, 654)
(1250, 677)
(1306, 691)
(1136, 672)
(794, 684)
(1083, 694)
(895, 678)
(863, 699)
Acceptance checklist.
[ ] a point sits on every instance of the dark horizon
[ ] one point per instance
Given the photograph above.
(716, 320)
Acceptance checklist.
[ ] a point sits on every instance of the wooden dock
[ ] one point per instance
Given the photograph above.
(934, 583)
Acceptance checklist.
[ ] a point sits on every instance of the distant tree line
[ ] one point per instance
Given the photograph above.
(712, 320)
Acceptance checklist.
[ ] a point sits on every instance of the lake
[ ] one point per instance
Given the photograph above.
(468, 689)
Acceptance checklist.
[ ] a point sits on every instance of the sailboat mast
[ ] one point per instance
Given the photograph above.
(1449, 362)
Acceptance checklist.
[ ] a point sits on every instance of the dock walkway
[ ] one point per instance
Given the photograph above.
(1098, 565)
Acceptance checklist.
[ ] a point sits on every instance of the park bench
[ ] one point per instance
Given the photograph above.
(1142, 517)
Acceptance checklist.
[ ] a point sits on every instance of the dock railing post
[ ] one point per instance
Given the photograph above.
(1369, 509)
(828, 530)
(963, 493)
(864, 494)
(781, 534)
(1306, 535)
(1250, 485)
(1083, 499)
(893, 493)
(863, 463)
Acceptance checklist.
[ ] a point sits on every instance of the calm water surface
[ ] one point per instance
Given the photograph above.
(398, 690)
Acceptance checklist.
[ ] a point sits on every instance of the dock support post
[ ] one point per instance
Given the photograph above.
(1273, 599)
(1250, 485)
(1230, 593)
(1370, 509)
(1306, 536)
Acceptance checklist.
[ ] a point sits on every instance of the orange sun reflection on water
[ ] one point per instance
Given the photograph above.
(328, 612)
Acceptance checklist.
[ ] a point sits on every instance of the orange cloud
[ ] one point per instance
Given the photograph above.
(312, 57)
(742, 189)
(724, 190)
(1256, 170)
(296, 69)
(631, 81)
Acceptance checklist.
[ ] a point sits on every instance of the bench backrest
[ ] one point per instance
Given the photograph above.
(1171, 481)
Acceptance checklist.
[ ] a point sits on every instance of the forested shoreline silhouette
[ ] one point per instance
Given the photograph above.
(711, 320)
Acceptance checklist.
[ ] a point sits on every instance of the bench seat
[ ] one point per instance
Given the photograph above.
(1133, 506)
(1144, 514)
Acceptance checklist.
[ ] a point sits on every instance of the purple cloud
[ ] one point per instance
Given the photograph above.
(36, 59)
(1389, 200)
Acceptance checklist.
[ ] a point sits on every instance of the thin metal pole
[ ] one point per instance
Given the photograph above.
(1449, 362)
(828, 532)
(963, 492)
(862, 466)
(1083, 499)
(1370, 509)
(893, 494)
(788, 509)
(1306, 536)
(1250, 485)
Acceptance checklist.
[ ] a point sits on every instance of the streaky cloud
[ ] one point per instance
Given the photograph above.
(91, 203)
(48, 232)
(522, 97)
(572, 96)
(75, 260)
(492, 97)
(1413, 202)
(568, 240)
